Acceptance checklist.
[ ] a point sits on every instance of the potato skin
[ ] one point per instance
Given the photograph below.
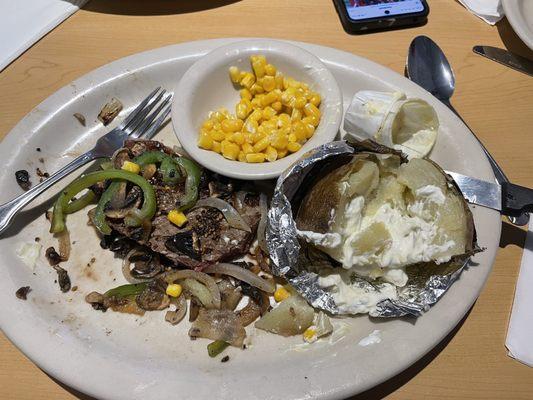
(314, 213)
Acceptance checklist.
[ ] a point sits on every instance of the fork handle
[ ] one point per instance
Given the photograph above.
(11, 208)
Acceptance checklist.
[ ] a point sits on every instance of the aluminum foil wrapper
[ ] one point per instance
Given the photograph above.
(298, 263)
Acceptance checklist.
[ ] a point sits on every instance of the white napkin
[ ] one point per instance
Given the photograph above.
(23, 22)
(490, 11)
(519, 340)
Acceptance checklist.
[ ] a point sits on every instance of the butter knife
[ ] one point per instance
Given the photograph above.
(509, 199)
(506, 58)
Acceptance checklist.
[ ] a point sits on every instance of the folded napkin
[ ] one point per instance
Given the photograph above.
(490, 11)
(519, 340)
(23, 22)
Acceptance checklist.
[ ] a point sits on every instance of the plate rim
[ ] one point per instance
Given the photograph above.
(201, 47)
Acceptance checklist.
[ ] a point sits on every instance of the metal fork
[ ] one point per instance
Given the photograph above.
(143, 121)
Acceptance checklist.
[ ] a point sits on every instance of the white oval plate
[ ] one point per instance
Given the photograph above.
(118, 356)
(520, 16)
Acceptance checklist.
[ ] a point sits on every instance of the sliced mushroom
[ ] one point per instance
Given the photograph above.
(153, 297)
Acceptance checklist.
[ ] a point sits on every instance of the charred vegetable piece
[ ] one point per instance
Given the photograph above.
(216, 347)
(147, 210)
(22, 293)
(23, 179)
(62, 278)
(52, 256)
(110, 111)
(182, 242)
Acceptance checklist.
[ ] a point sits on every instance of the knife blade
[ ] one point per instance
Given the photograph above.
(509, 199)
(506, 58)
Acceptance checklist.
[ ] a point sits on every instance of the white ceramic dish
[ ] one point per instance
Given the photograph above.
(206, 87)
(520, 16)
(117, 356)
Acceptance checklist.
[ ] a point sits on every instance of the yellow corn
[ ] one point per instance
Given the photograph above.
(234, 74)
(217, 135)
(309, 335)
(269, 83)
(275, 116)
(174, 290)
(271, 154)
(261, 145)
(177, 218)
(294, 147)
(270, 70)
(277, 106)
(131, 167)
(205, 141)
(229, 150)
(281, 294)
(311, 110)
(247, 148)
(248, 80)
(238, 138)
(315, 99)
(245, 94)
(255, 157)
(216, 147)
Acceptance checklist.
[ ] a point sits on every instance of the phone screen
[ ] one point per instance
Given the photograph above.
(363, 9)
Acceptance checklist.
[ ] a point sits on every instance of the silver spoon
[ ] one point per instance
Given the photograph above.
(428, 67)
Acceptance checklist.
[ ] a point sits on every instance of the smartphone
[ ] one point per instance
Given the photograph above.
(360, 16)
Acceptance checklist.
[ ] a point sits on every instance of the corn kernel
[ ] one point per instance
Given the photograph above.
(269, 83)
(208, 125)
(205, 141)
(217, 135)
(310, 335)
(311, 110)
(309, 130)
(280, 141)
(131, 167)
(216, 147)
(269, 98)
(242, 156)
(277, 106)
(247, 148)
(296, 115)
(248, 80)
(257, 88)
(255, 157)
(313, 120)
(282, 153)
(258, 67)
(261, 145)
(229, 150)
(256, 137)
(270, 70)
(300, 102)
(174, 290)
(234, 74)
(292, 138)
(256, 115)
(242, 110)
(238, 137)
(271, 154)
(284, 120)
(281, 294)
(232, 125)
(251, 125)
(268, 113)
(177, 218)
(245, 94)
(315, 99)
(294, 147)
(298, 128)
(279, 80)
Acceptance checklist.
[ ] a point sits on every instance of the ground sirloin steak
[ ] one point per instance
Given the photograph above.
(207, 234)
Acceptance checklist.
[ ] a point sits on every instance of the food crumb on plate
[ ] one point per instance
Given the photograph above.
(373, 338)
(22, 293)
(224, 359)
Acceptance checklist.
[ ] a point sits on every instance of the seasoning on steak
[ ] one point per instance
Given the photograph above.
(207, 237)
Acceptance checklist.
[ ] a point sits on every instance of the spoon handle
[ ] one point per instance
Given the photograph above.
(501, 178)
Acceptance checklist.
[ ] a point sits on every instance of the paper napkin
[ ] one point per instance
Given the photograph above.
(519, 340)
(490, 11)
(23, 22)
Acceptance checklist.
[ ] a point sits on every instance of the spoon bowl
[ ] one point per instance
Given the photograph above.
(428, 67)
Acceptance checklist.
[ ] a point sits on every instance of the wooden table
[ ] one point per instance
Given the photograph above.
(496, 101)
